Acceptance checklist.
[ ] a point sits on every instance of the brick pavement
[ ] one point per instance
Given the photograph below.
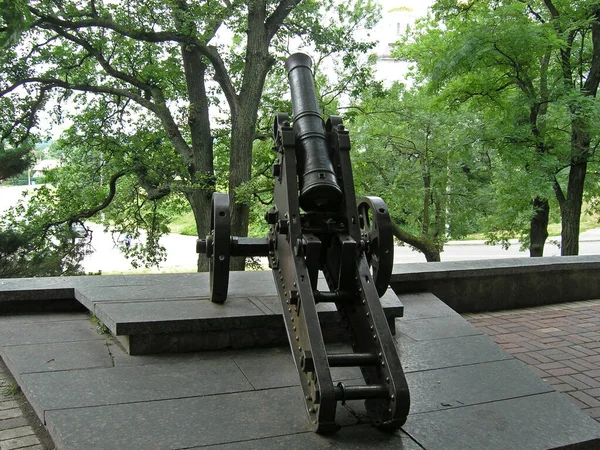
(19, 426)
(560, 343)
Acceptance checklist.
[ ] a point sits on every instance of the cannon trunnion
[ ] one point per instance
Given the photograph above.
(317, 225)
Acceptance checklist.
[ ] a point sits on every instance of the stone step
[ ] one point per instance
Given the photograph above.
(172, 313)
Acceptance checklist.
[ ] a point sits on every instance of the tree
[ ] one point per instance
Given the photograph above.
(167, 68)
(510, 58)
(14, 161)
(410, 152)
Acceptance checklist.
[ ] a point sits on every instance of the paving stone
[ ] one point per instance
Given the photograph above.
(58, 356)
(534, 422)
(46, 332)
(181, 423)
(440, 353)
(16, 433)
(44, 317)
(54, 390)
(7, 404)
(436, 328)
(15, 422)
(10, 413)
(167, 316)
(422, 305)
(274, 368)
(268, 368)
(587, 399)
(467, 385)
(20, 443)
(357, 437)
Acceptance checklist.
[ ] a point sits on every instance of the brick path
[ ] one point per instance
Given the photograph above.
(560, 343)
(19, 426)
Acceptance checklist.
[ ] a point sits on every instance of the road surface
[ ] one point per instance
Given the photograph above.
(181, 250)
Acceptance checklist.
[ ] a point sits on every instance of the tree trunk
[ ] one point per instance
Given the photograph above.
(425, 246)
(570, 205)
(242, 135)
(538, 232)
(200, 201)
(571, 211)
(244, 115)
(201, 169)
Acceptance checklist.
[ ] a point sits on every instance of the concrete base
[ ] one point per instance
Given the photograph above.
(492, 285)
(172, 313)
(465, 391)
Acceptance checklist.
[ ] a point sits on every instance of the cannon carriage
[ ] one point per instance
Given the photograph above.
(316, 225)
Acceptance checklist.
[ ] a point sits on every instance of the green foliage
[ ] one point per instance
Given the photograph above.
(14, 161)
(409, 151)
(15, 19)
(161, 104)
(504, 63)
(33, 244)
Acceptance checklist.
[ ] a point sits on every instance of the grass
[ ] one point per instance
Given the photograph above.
(185, 225)
(588, 222)
(100, 327)
(10, 390)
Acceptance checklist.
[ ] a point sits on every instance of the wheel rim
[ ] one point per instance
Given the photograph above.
(377, 233)
(221, 243)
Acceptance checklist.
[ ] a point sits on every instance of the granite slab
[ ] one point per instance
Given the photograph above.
(276, 368)
(536, 422)
(358, 437)
(59, 356)
(120, 385)
(466, 393)
(180, 423)
(450, 352)
(435, 328)
(20, 333)
(168, 316)
(455, 387)
(424, 305)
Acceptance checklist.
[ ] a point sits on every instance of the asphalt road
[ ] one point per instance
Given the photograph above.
(181, 250)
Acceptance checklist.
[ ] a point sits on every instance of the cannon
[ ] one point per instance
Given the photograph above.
(318, 226)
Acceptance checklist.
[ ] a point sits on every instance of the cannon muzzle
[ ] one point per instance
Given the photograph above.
(319, 189)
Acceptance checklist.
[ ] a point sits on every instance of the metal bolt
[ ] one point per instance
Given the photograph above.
(276, 170)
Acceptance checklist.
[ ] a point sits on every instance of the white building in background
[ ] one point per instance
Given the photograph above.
(396, 17)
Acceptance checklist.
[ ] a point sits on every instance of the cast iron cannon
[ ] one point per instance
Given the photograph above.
(317, 226)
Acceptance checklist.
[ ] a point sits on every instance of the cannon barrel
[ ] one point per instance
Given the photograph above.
(319, 189)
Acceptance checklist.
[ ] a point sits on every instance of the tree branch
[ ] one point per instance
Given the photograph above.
(221, 73)
(112, 184)
(101, 59)
(428, 248)
(277, 17)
